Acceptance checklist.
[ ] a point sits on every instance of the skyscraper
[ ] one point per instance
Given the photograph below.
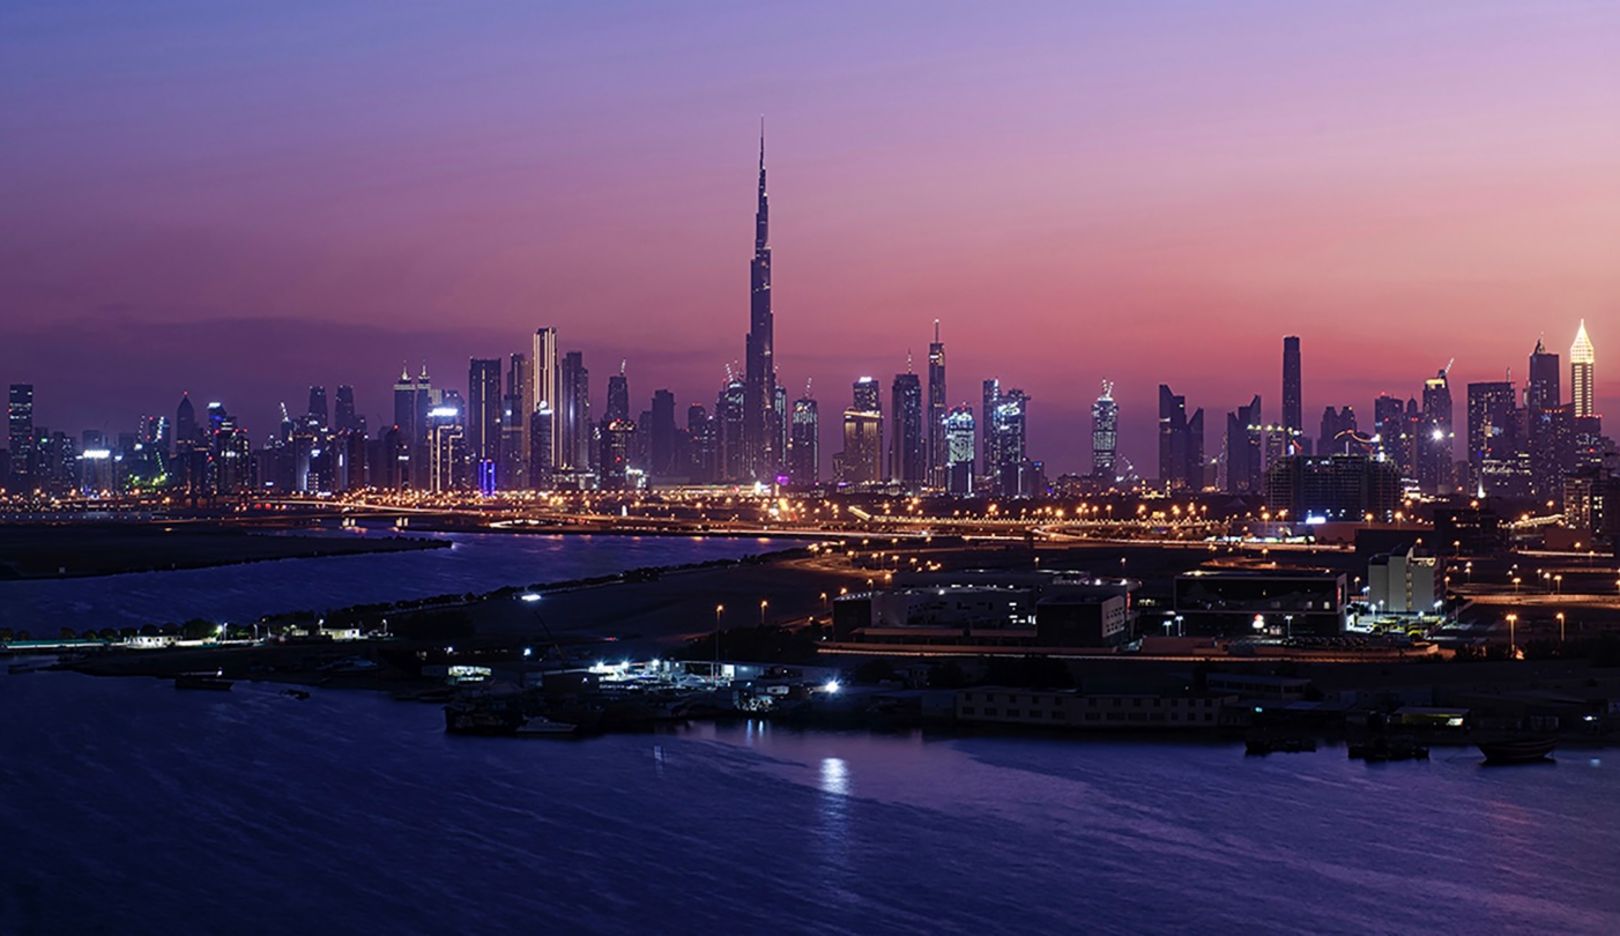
(618, 395)
(412, 401)
(1434, 451)
(936, 411)
(185, 424)
(485, 414)
(1293, 412)
(1493, 421)
(1389, 422)
(861, 461)
(20, 435)
(1547, 425)
(729, 407)
(661, 435)
(760, 428)
(908, 453)
(513, 471)
(704, 448)
(959, 449)
(1582, 360)
(989, 459)
(804, 446)
(344, 418)
(1009, 424)
(1104, 435)
(316, 415)
(1335, 423)
(1245, 431)
(1181, 443)
(576, 413)
(546, 363)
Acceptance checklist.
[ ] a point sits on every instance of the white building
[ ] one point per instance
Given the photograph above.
(1403, 583)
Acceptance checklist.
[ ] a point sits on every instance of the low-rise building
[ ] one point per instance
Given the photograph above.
(1403, 583)
(1236, 602)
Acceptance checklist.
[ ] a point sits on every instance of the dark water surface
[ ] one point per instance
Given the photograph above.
(476, 562)
(129, 807)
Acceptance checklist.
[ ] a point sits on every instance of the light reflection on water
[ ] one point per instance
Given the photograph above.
(351, 812)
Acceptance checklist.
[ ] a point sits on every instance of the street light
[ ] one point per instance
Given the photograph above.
(1560, 627)
(762, 605)
(719, 609)
(1513, 644)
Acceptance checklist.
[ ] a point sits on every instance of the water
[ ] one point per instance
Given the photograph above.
(476, 562)
(130, 807)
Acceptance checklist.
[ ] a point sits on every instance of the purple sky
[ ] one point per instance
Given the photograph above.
(243, 199)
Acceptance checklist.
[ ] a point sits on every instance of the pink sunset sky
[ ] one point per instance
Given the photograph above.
(245, 199)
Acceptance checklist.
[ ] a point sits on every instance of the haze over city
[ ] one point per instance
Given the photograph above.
(244, 203)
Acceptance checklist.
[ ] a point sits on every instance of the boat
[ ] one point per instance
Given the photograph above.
(1524, 750)
(212, 681)
(539, 726)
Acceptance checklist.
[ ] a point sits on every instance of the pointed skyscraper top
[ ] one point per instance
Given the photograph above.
(1541, 347)
(1581, 351)
(762, 143)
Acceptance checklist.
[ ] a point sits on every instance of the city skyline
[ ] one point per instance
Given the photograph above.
(1110, 250)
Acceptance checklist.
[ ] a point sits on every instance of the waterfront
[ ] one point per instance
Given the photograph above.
(476, 562)
(252, 812)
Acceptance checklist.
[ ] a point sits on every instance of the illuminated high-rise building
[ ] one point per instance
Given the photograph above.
(1011, 476)
(936, 411)
(546, 364)
(513, 471)
(185, 425)
(703, 446)
(908, 442)
(1434, 448)
(316, 414)
(761, 429)
(20, 435)
(1582, 360)
(1104, 435)
(804, 444)
(413, 398)
(959, 450)
(861, 461)
(1547, 425)
(575, 413)
(1293, 410)
(729, 409)
(989, 459)
(1493, 422)
(485, 415)
(618, 395)
(1389, 422)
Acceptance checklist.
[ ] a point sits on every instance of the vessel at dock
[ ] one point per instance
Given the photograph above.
(1529, 749)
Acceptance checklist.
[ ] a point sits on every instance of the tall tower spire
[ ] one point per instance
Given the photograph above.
(1582, 361)
(762, 423)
